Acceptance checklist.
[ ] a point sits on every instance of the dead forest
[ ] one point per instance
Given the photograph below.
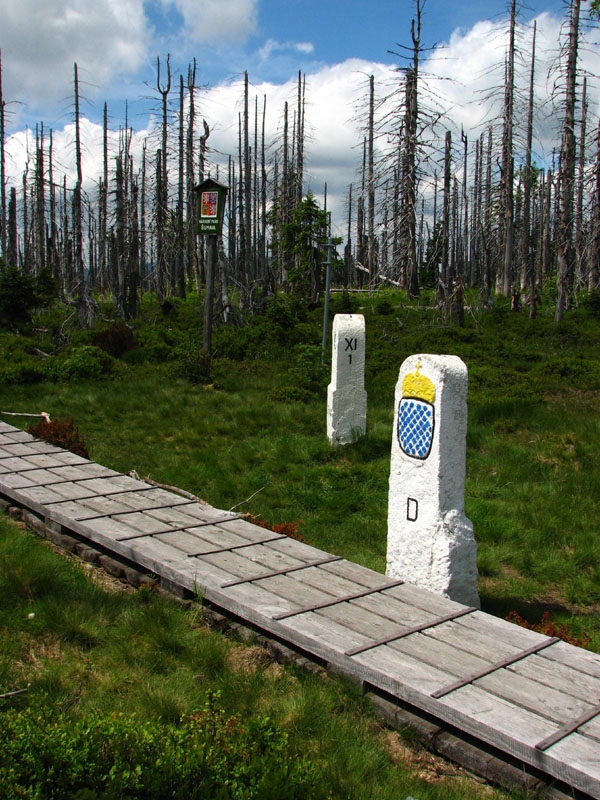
(430, 207)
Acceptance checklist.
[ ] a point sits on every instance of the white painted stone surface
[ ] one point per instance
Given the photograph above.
(430, 540)
(346, 395)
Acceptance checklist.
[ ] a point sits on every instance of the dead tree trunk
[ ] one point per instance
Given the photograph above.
(508, 163)
(594, 271)
(565, 245)
(371, 265)
(3, 202)
(527, 266)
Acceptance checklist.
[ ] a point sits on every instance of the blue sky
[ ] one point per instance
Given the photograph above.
(336, 43)
(116, 42)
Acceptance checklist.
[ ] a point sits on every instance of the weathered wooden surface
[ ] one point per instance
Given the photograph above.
(531, 696)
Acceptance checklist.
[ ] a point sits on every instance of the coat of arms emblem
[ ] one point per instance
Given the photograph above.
(416, 415)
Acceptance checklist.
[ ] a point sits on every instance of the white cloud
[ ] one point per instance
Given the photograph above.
(210, 20)
(272, 46)
(42, 39)
(336, 100)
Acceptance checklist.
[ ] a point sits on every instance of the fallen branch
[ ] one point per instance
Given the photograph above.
(6, 695)
(133, 474)
(247, 500)
(42, 415)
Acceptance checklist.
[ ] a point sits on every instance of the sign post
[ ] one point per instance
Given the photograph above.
(212, 196)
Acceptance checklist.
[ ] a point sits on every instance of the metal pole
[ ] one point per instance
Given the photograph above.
(326, 308)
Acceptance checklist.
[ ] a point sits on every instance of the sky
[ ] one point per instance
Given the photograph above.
(337, 44)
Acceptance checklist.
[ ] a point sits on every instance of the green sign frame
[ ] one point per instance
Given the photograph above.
(212, 196)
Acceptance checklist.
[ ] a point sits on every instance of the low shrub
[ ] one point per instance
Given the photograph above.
(190, 362)
(63, 434)
(83, 362)
(115, 340)
(44, 754)
(26, 372)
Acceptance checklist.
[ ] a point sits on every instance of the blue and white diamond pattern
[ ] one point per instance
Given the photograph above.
(415, 427)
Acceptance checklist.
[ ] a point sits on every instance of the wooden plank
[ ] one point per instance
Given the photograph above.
(236, 564)
(43, 477)
(236, 524)
(26, 448)
(583, 661)
(516, 728)
(68, 512)
(254, 603)
(567, 729)
(79, 472)
(300, 550)
(574, 760)
(472, 639)
(506, 633)
(284, 571)
(88, 507)
(402, 632)
(356, 573)
(425, 600)
(391, 669)
(17, 449)
(495, 666)
(371, 626)
(591, 729)
(141, 498)
(127, 526)
(266, 540)
(330, 634)
(556, 675)
(65, 457)
(334, 600)
(455, 663)
(184, 515)
(18, 464)
(287, 588)
(339, 583)
(5, 427)
(44, 495)
(16, 480)
(112, 485)
(16, 435)
(47, 460)
(220, 537)
(189, 543)
(533, 696)
(155, 557)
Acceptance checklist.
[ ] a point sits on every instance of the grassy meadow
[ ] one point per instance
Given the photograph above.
(252, 435)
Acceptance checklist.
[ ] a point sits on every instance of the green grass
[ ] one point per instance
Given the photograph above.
(258, 431)
(255, 438)
(105, 667)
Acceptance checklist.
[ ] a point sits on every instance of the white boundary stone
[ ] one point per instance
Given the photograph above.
(430, 540)
(346, 396)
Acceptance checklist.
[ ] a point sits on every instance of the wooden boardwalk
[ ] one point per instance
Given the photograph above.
(530, 696)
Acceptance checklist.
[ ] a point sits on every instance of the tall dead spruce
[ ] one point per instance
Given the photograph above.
(489, 217)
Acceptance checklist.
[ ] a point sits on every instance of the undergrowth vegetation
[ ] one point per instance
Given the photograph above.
(130, 695)
(248, 430)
